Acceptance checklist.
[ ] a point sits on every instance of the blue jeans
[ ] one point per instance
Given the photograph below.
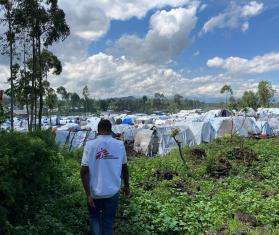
(103, 214)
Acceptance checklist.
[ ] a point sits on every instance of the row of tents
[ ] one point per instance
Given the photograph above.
(153, 137)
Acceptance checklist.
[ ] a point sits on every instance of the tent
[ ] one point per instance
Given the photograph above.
(74, 139)
(265, 128)
(167, 143)
(126, 130)
(146, 142)
(128, 120)
(265, 113)
(92, 123)
(211, 114)
(238, 125)
(203, 131)
(274, 124)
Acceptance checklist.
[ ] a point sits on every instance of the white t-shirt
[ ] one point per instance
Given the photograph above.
(104, 156)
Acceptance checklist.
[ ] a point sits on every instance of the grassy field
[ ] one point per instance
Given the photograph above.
(228, 186)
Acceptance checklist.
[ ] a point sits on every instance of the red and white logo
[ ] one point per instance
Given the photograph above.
(104, 154)
(101, 154)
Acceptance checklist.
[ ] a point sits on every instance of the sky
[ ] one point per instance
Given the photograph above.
(188, 47)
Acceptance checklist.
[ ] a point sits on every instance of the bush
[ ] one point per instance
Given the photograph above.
(35, 180)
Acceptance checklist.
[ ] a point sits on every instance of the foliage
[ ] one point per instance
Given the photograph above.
(266, 93)
(70, 102)
(250, 99)
(32, 27)
(245, 200)
(39, 191)
(3, 114)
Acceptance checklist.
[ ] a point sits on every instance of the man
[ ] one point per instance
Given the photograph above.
(103, 165)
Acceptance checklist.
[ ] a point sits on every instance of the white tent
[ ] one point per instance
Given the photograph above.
(203, 131)
(237, 125)
(92, 123)
(167, 143)
(265, 128)
(126, 130)
(274, 124)
(146, 142)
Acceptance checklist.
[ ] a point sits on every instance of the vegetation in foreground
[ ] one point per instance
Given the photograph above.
(229, 186)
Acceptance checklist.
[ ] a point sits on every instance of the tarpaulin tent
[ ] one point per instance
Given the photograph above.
(245, 126)
(265, 113)
(222, 126)
(127, 131)
(146, 142)
(128, 120)
(265, 128)
(92, 123)
(203, 131)
(167, 143)
(274, 124)
(238, 125)
(74, 139)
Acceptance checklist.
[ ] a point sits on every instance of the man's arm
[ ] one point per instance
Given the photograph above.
(84, 174)
(125, 174)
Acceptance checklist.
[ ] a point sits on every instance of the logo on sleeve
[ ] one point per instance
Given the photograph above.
(104, 154)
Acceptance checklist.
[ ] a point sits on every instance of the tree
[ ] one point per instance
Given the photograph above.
(227, 90)
(158, 100)
(85, 93)
(75, 100)
(9, 7)
(250, 99)
(178, 100)
(51, 101)
(3, 114)
(45, 23)
(265, 93)
(63, 92)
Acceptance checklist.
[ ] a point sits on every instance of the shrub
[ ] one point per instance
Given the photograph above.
(35, 180)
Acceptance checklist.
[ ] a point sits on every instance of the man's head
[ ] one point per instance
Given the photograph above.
(104, 127)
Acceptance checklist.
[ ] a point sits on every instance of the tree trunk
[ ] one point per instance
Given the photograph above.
(11, 68)
(41, 102)
(33, 84)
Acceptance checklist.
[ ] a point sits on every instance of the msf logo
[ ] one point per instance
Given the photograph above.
(104, 154)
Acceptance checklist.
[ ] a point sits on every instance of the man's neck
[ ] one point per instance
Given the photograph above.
(104, 134)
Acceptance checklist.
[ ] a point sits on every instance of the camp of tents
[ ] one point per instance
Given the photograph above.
(151, 134)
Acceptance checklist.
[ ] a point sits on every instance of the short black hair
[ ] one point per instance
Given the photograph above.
(104, 126)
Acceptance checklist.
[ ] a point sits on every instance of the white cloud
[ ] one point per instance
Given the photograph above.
(256, 65)
(234, 17)
(91, 19)
(252, 9)
(107, 76)
(245, 26)
(4, 75)
(169, 34)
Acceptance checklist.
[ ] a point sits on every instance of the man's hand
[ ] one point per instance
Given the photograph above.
(126, 191)
(90, 201)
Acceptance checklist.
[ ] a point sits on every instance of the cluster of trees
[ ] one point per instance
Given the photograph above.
(67, 103)
(32, 26)
(263, 97)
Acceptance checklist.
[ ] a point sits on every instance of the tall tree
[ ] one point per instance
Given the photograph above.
(227, 90)
(250, 99)
(46, 24)
(9, 6)
(51, 101)
(75, 100)
(265, 93)
(85, 93)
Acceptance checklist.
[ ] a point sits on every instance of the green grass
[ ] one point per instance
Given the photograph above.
(246, 200)
(167, 197)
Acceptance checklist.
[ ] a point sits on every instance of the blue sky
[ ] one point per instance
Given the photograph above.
(187, 47)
